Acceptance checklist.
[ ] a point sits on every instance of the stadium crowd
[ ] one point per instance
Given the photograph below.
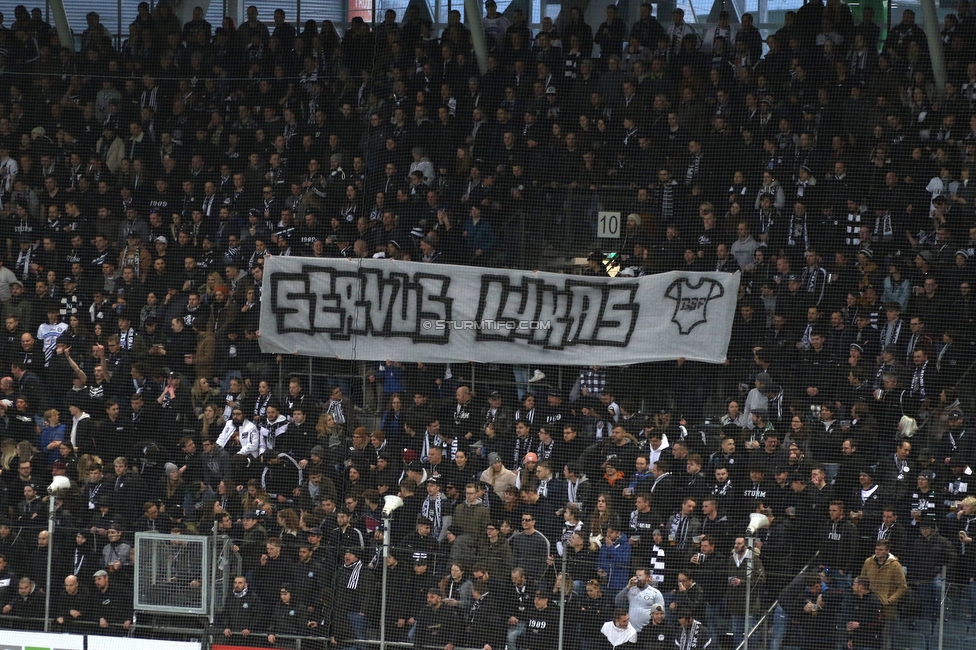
(143, 188)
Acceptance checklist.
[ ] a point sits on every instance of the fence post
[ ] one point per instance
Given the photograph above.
(212, 605)
(308, 387)
(562, 601)
(942, 600)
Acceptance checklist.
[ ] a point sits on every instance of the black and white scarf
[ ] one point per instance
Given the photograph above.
(80, 557)
(890, 333)
(918, 380)
(127, 339)
(230, 400)
(521, 447)
(22, 266)
(679, 528)
(354, 569)
(544, 451)
(335, 409)
(688, 640)
(952, 439)
(261, 405)
(657, 564)
(431, 509)
(798, 235)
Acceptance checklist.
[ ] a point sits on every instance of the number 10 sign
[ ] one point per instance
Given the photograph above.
(608, 225)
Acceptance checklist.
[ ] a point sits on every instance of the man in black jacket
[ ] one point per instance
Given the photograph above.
(242, 609)
(308, 578)
(28, 603)
(436, 624)
(350, 597)
(542, 623)
(925, 559)
(71, 606)
(273, 571)
(838, 538)
(866, 619)
(481, 627)
(111, 605)
(711, 571)
(804, 604)
(8, 579)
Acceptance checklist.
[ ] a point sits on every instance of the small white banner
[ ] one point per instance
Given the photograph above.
(13, 640)
(115, 643)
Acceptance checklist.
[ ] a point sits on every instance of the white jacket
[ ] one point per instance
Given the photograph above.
(252, 443)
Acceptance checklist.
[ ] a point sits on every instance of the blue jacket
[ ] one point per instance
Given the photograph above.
(615, 561)
(480, 236)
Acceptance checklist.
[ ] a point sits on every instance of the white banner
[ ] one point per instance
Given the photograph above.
(435, 313)
(13, 640)
(115, 643)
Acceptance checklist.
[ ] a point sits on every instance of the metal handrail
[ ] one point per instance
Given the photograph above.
(748, 633)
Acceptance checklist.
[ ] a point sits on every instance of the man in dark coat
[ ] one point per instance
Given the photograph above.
(28, 603)
(111, 604)
(481, 627)
(866, 620)
(71, 607)
(803, 603)
(436, 624)
(242, 610)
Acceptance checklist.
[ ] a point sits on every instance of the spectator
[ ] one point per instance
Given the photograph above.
(619, 631)
(613, 559)
(640, 596)
(111, 605)
(887, 578)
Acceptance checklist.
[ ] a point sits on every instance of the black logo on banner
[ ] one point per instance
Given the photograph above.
(691, 301)
(361, 301)
(580, 313)
(385, 304)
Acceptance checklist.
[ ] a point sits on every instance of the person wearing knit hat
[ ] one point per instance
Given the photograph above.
(222, 289)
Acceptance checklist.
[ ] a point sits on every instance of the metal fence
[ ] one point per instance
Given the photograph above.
(182, 574)
(935, 614)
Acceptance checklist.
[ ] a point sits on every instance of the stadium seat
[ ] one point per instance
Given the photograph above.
(910, 641)
(949, 642)
(922, 626)
(953, 628)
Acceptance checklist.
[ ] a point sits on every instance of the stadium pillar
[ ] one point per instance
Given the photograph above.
(930, 22)
(61, 24)
(235, 9)
(185, 8)
(472, 17)
(58, 484)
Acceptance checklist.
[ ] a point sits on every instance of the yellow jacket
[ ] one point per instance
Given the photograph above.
(887, 582)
